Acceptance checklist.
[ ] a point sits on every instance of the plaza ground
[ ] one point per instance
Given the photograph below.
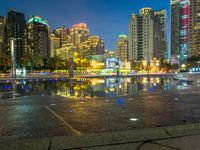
(45, 117)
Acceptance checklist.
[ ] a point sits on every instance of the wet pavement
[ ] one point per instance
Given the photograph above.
(43, 115)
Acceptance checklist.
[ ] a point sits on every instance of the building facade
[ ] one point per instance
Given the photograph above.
(122, 48)
(92, 46)
(38, 37)
(64, 52)
(16, 25)
(147, 35)
(2, 36)
(79, 33)
(194, 28)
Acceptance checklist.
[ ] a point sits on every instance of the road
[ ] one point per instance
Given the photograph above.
(49, 116)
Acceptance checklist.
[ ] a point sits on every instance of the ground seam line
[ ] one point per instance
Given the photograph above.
(60, 118)
(50, 140)
(167, 132)
(165, 145)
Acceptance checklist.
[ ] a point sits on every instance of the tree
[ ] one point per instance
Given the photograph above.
(5, 62)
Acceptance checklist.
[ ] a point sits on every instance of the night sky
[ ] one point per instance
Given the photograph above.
(106, 18)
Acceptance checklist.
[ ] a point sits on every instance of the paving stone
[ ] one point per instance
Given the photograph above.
(183, 143)
(181, 130)
(37, 144)
(107, 138)
(152, 146)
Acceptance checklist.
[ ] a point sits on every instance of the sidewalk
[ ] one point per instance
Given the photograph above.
(184, 137)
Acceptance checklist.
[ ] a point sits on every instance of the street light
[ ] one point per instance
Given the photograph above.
(13, 57)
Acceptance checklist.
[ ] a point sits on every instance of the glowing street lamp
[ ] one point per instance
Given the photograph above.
(178, 61)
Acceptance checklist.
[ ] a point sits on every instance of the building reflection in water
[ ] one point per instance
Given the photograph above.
(89, 88)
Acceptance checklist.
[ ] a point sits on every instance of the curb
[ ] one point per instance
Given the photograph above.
(103, 139)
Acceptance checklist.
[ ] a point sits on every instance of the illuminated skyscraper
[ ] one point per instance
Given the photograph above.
(122, 48)
(133, 38)
(2, 36)
(92, 46)
(79, 33)
(194, 28)
(180, 18)
(38, 37)
(16, 24)
(147, 35)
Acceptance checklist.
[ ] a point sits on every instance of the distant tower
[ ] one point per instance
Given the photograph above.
(122, 48)
(38, 37)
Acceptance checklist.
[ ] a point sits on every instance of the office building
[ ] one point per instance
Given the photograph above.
(122, 48)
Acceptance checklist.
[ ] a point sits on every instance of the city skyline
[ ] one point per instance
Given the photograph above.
(104, 18)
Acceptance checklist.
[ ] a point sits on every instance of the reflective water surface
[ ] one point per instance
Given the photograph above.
(95, 87)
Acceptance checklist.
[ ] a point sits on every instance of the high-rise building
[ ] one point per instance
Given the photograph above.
(122, 48)
(79, 33)
(54, 44)
(147, 35)
(2, 36)
(38, 32)
(92, 46)
(194, 28)
(180, 18)
(16, 24)
(64, 34)
(133, 38)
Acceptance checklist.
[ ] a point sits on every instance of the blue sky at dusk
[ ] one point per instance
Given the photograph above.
(106, 18)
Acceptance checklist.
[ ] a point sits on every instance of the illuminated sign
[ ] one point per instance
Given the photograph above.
(112, 63)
